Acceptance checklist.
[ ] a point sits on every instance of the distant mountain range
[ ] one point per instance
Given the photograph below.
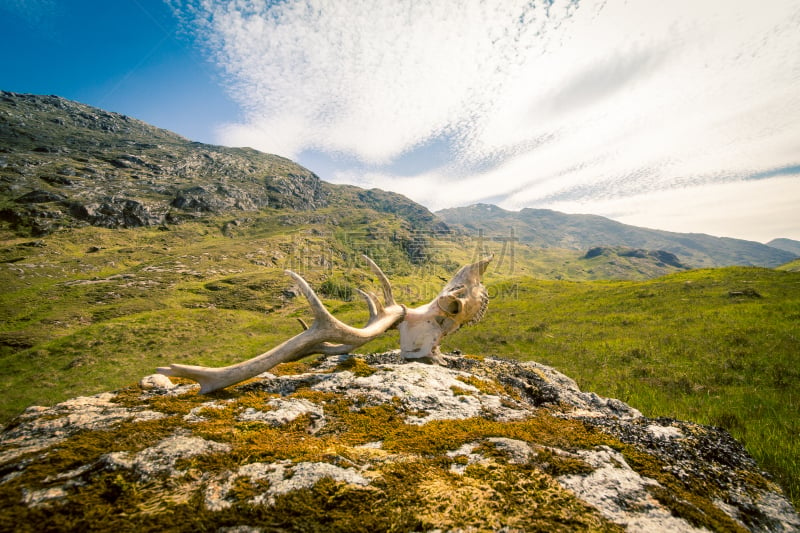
(788, 245)
(551, 229)
(64, 164)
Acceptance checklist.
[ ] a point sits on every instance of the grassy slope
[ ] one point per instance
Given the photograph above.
(687, 346)
(94, 309)
(792, 266)
(75, 321)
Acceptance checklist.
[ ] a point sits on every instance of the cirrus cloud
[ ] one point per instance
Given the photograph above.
(536, 103)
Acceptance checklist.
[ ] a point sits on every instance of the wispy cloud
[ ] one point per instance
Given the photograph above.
(536, 102)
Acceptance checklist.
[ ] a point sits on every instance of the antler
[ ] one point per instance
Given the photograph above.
(327, 335)
(463, 301)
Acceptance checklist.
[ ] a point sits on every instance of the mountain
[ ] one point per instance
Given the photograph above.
(545, 228)
(371, 443)
(788, 245)
(65, 164)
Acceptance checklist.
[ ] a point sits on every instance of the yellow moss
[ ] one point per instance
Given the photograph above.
(129, 396)
(317, 397)
(244, 488)
(357, 366)
(486, 386)
(258, 400)
(289, 369)
(442, 435)
(458, 391)
(181, 404)
(561, 465)
(488, 498)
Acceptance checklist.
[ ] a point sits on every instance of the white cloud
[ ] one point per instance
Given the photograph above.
(754, 210)
(578, 101)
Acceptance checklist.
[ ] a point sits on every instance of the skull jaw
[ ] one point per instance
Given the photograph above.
(421, 333)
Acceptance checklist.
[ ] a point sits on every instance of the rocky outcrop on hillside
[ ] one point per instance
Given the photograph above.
(63, 164)
(644, 261)
(371, 443)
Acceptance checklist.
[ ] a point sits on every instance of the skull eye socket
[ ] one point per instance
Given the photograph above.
(451, 306)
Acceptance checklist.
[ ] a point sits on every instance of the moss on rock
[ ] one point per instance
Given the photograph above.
(339, 447)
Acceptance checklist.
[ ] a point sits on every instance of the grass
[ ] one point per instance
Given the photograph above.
(686, 346)
(89, 310)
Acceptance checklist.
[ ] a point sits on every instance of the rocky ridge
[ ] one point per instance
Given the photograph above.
(371, 443)
(63, 163)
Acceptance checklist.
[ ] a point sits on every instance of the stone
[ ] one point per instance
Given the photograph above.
(283, 412)
(161, 458)
(281, 477)
(156, 381)
(480, 444)
(614, 488)
(42, 427)
(39, 197)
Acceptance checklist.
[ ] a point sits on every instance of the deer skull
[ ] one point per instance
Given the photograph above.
(463, 301)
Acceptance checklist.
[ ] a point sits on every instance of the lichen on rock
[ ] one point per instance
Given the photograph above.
(370, 443)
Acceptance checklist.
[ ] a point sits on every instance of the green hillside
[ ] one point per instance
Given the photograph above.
(94, 309)
(791, 266)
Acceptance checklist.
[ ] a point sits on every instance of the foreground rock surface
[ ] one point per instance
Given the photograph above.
(370, 443)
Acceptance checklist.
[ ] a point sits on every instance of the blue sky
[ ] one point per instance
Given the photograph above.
(128, 56)
(678, 115)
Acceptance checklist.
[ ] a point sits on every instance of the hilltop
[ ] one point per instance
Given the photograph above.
(64, 164)
(789, 245)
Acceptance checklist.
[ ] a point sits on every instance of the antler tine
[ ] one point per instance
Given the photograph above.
(320, 313)
(314, 339)
(374, 305)
(388, 297)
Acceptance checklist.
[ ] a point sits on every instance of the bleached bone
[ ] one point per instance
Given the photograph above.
(462, 301)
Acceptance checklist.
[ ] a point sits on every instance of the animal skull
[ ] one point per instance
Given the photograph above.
(463, 301)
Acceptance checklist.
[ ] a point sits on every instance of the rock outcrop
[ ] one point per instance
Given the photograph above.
(370, 443)
(66, 164)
